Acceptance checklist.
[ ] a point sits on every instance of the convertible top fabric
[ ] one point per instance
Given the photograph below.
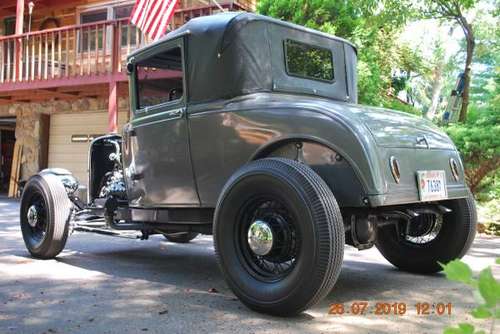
(232, 54)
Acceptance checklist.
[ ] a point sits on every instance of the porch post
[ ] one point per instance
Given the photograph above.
(113, 107)
(19, 31)
(113, 84)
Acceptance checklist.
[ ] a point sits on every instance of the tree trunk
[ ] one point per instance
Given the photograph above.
(474, 176)
(469, 36)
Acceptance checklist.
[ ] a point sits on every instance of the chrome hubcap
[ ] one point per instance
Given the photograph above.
(260, 237)
(32, 216)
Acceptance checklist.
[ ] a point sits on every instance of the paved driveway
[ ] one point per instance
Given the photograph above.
(102, 284)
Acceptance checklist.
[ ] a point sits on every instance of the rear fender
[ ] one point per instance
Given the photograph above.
(330, 165)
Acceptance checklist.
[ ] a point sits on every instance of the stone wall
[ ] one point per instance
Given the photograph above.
(32, 133)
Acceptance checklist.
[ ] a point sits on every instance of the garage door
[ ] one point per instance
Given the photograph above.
(67, 148)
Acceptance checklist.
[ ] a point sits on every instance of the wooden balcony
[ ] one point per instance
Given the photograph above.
(71, 55)
(79, 56)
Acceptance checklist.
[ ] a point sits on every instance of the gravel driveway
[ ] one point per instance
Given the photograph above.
(102, 284)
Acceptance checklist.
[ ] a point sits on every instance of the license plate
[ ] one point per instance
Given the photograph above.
(432, 185)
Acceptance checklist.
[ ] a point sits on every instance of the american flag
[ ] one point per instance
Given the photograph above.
(153, 16)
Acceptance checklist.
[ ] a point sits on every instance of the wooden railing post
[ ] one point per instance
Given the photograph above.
(113, 107)
(115, 47)
(113, 85)
(18, 51)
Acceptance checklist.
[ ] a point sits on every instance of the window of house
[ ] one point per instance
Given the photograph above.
(9, 29)
(129, 32)
(9, 26)
(160, 79)
(88, 35)
(308, 61)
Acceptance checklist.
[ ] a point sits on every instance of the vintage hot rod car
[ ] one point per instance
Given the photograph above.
(247, 128)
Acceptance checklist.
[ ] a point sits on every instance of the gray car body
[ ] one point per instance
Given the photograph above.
(240, 104)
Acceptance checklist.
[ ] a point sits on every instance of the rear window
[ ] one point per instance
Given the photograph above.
(308, 61)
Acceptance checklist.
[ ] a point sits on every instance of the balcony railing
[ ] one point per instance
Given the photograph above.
(79, 50)
(84, 51)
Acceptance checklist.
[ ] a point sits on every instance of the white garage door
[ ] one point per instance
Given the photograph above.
(69, 154)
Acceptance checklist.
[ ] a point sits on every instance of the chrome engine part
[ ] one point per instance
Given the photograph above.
(113, 183)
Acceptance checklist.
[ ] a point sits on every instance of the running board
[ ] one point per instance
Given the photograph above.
(109, 232)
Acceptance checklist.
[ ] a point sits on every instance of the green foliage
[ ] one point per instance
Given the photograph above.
(485, 286)
(445, 8)
(489, 289)
(395, 104)
(458, 271)
(463, 328)
(478, 140)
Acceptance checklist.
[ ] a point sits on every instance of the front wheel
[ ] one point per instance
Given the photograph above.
(278, 236)
(44, 216)
(431, 238)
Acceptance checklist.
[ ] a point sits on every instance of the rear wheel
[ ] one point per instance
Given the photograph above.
(279, 236)
(44, 216)
(181, 237)
(431, 238)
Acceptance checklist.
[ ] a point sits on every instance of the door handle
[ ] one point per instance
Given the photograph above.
(176, 112)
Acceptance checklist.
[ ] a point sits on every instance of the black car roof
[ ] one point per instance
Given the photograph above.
(219, 23)
(237, 53)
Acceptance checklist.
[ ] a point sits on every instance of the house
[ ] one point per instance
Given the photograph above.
(62, 76)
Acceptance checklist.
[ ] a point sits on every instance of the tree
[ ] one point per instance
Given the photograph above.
(454, 10)
(478, 141)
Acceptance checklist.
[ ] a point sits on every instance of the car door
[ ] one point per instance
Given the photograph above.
(157, 160)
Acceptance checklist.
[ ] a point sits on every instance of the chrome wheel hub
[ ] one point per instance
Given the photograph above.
(32, 216)
(260, 237)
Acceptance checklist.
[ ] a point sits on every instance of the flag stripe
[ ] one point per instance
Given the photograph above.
(152, 16)
(162, 28)
(155, 12)
(137, 11)
(156, 22)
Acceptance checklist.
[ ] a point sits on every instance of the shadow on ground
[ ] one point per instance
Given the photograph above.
(108, 285)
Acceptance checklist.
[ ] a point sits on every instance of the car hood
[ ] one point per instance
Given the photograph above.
(397, 129)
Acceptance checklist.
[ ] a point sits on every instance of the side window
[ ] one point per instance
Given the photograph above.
(308, 61)
(160, 79)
